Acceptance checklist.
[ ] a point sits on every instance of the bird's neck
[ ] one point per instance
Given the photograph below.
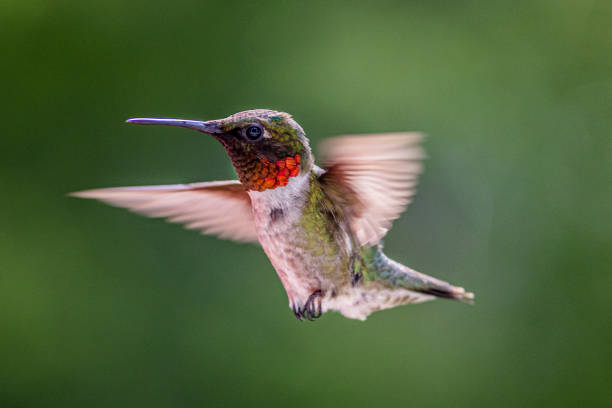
(260, 171)
(287, 198)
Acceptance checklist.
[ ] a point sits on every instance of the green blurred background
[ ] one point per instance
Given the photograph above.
(103, 308)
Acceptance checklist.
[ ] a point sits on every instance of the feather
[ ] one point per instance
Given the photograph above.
(373, 177)
(221, 208)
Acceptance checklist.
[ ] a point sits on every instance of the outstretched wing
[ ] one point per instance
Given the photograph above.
(373, 177)
(221, 208)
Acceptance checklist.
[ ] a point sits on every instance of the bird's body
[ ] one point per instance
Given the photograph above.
(286, 230)
(320, 227)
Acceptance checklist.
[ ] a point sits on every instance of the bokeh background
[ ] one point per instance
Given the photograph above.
(102, 308)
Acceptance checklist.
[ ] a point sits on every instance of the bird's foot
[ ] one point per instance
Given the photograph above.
(312, 308)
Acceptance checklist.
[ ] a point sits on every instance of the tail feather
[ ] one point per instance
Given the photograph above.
(395, 274)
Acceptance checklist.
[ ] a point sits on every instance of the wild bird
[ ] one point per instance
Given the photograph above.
(320, 226)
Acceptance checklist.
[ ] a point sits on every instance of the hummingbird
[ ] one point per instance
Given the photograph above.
(321, 227)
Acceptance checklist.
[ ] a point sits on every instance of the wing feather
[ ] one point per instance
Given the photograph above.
(375, 177)
(221, 208)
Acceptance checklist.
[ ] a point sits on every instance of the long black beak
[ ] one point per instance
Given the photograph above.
(210, 127)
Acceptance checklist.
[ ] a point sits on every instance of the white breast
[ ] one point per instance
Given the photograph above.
(276, 213)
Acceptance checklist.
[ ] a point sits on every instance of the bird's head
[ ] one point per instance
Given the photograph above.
(266, 147)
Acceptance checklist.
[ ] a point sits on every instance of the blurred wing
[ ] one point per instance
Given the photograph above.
(373, 177)
(221, 208)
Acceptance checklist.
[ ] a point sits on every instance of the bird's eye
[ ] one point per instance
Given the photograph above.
(253, 133)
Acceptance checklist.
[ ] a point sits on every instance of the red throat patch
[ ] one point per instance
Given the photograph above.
(269, 175)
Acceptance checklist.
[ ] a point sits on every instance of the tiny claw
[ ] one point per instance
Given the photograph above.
(297, 312)
(313, 308)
